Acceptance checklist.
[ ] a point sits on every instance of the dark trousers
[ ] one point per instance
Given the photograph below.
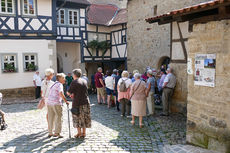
(117, 102)
(38, 92)
(125, 106)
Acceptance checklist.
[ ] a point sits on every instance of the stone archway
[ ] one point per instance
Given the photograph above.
(165, 60)
(59, 64)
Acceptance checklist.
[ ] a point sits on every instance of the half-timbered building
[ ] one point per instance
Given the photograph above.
(27, 42)
(71, 31)
(38, 34)
(105, 45)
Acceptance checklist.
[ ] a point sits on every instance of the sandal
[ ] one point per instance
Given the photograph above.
(141, 125)
(132, 122)
(77, 136)
(58, 135)
(50, 135)
(83, 135)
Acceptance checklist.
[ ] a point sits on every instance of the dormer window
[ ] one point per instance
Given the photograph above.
(73, 17)
(61, 17)
(29, 7)
(7, 6)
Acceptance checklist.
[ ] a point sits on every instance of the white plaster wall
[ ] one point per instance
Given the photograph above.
(73, 59)
(44, 7)
(24, 79)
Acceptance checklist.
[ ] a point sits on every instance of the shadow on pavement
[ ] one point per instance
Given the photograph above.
(38, 142)
(127, 137)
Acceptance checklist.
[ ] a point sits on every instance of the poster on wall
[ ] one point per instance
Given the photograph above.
(205, 70)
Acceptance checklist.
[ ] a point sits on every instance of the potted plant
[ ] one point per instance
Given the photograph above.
(9, 68)
(31, 67)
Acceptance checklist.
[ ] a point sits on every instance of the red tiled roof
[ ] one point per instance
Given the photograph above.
(106, 14)
(85, 2)
(120, 18)
(189, 9)
(101, 14)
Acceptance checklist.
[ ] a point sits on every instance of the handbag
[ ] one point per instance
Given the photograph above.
(75, 111)
(41, 103)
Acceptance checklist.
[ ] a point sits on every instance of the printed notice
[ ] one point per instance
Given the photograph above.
(205, 70)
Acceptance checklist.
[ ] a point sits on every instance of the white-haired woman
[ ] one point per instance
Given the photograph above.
(150, 92)
(54, 105)
(138, 99)
(123, 88)
(46, 84)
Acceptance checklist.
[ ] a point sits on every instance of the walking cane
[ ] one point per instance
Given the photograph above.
(68, 121)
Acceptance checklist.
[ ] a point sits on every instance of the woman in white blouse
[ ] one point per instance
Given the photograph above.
(46, 84)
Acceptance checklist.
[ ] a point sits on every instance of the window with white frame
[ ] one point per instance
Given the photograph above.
(9, 62)
(73, 17)
(61, 17)
(29, 7)
(7, 6)
(30, 62)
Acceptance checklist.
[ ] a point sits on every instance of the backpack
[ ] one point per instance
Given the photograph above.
(122, 87)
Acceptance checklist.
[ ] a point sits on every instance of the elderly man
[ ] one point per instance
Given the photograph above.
(37, 84)
(100, 86)
(168, 86)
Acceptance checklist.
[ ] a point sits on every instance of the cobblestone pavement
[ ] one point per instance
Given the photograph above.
(27, 132)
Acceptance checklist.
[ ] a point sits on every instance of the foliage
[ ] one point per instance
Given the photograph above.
(31, 67)
(103, 45)
(9, 68)
(93, 44)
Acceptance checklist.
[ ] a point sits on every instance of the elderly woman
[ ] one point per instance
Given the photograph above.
(46, 84)
(123, 88)
(138, 99)
(79, 92)
(150, 92)
(54, 105)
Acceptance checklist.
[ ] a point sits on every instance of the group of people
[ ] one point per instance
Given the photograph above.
(53, 95)
(134, 91)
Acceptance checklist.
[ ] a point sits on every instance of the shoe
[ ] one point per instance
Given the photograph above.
(50, 135)
(129, 116)
(99, 103)
(118, 109)
(77, 136)
(132, 122)
(141, 125)
(57, 135)
(122, 115)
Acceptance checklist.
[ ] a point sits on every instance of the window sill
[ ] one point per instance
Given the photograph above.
(4, 71)
(29, 16)
(7, 14)
(68, 25)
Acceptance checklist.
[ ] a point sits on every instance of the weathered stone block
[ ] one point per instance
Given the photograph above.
(217, 123)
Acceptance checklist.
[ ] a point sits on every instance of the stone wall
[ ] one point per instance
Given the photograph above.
(179, 101)
(18, 95)
(208, 108)
(147, 43)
